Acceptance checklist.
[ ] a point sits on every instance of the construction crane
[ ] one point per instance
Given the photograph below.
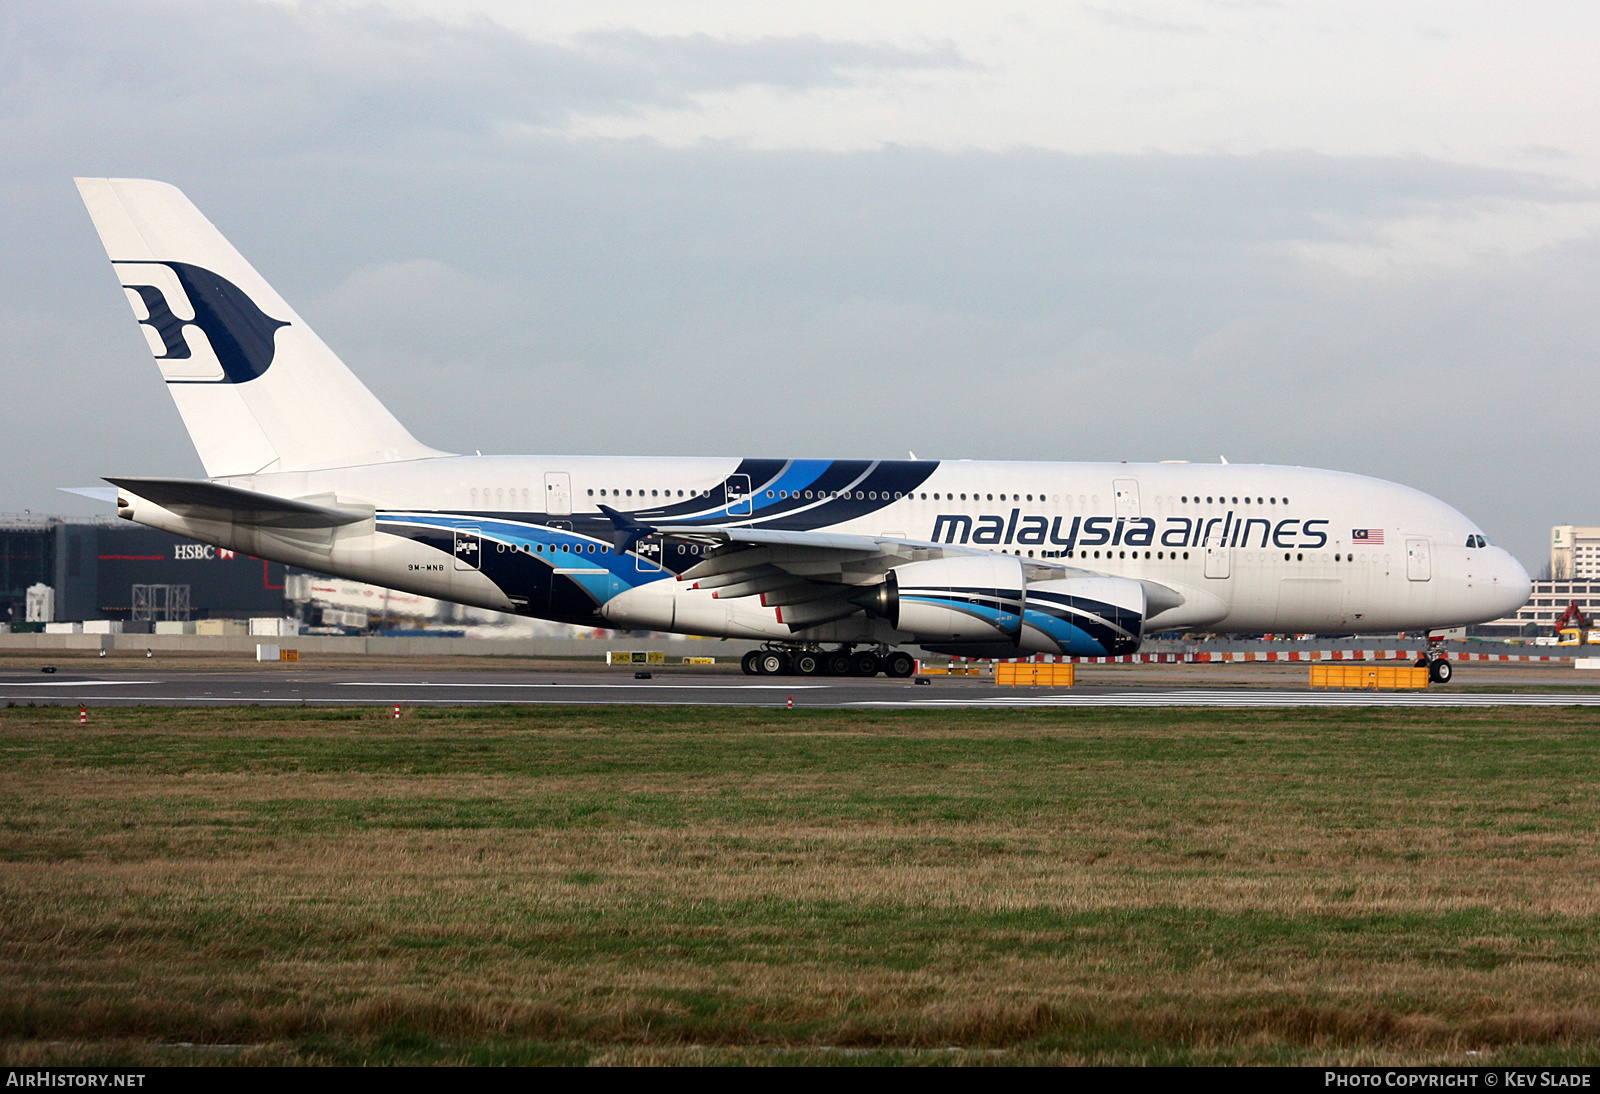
(1571, 626)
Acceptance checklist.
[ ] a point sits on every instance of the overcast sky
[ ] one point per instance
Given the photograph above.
(1346, 235)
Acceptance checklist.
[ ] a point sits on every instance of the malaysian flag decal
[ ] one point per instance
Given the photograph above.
(1367, 536)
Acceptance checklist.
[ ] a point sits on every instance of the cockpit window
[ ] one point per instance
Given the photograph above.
(1477, 541)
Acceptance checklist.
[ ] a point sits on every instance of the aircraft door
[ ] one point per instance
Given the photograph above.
(469, 549)
(1217, 561)
(647, 555)
(558, 493)
(739, 495)
(1127, 491)
(1419, 560)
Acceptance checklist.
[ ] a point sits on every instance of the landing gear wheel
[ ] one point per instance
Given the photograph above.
(899, 664)
(807, 664)
(769, 663)
(837, 663)
(751, 663)
(864, 664)
(1441, 671)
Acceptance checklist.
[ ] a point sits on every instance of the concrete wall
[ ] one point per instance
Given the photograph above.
(596, 648)
(394, 647)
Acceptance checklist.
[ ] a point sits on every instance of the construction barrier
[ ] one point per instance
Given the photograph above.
(288, 655)
(1301, 656)
(1024, 674)
(1368, 676)
(949, 670)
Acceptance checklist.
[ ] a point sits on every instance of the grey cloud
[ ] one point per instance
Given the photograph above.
(254, 77)
(546, 294)
(699, 62)
(1023, 305)
(1126, 19)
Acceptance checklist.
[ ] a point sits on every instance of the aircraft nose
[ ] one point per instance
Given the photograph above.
(1510, 585)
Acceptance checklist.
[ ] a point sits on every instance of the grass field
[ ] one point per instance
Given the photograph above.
(633, 885)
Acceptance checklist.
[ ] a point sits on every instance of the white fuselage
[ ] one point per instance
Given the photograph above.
(1249, 548)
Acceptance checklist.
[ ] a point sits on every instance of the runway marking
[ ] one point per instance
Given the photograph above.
(637, 685)
(263, 700)
(659, 697)
(75, 683)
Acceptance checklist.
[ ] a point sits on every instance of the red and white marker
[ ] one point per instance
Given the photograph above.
(397, 710)
(83, 715)
(791, 703)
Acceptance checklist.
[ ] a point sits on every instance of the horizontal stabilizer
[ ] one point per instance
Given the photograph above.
(107, 494)
(197, 499)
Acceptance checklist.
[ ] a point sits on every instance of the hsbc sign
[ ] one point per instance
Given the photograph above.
(198, 552)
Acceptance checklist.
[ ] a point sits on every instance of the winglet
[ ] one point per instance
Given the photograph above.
(625, 530)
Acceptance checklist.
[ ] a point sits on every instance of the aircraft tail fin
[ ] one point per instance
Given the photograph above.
(257, 389)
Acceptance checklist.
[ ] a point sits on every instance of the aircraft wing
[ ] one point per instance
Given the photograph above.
(197, 499)
(810, 577)
(818, 577)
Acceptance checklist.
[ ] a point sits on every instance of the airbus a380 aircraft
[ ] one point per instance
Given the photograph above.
(834, 563)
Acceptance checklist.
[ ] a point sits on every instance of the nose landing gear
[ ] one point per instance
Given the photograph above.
(1437, 661)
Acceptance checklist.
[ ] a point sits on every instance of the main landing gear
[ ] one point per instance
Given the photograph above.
(1437, 661)
(844, 661)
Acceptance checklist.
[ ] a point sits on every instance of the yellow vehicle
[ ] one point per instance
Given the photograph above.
(1574, 636)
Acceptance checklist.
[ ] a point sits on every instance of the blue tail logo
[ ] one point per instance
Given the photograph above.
(241, 334)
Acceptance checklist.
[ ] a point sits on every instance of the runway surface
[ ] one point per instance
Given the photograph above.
(354, 687)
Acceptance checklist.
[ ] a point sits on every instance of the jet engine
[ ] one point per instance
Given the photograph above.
(984, 606)
(1084, 616)
(970, 598)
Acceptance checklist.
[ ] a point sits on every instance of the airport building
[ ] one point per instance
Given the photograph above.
(111, 569)
(1574, 552)
(62, 570)
(1550, 598)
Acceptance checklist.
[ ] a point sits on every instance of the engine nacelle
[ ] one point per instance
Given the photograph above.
(984, 606)
(1084, 616)
(969, 598)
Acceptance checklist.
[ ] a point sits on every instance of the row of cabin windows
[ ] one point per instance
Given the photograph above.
(653, 493)
(579, 548)
(1288, 556)
(555, 549)
(884, 495)
(873, 495)
(539, 548)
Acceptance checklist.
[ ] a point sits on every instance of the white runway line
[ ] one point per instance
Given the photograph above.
(75, 684)
(266, 700)
(636, 685)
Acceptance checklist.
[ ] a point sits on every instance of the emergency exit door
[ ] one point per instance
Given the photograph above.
(558, 493)
(469, 549)
(1217, 561)
(1127, 492)
(1419, 560)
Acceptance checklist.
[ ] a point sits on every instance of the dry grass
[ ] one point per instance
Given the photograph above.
(683, 886)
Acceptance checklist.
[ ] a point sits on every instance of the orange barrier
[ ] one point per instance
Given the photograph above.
(1368, 676)
(1041, 674)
